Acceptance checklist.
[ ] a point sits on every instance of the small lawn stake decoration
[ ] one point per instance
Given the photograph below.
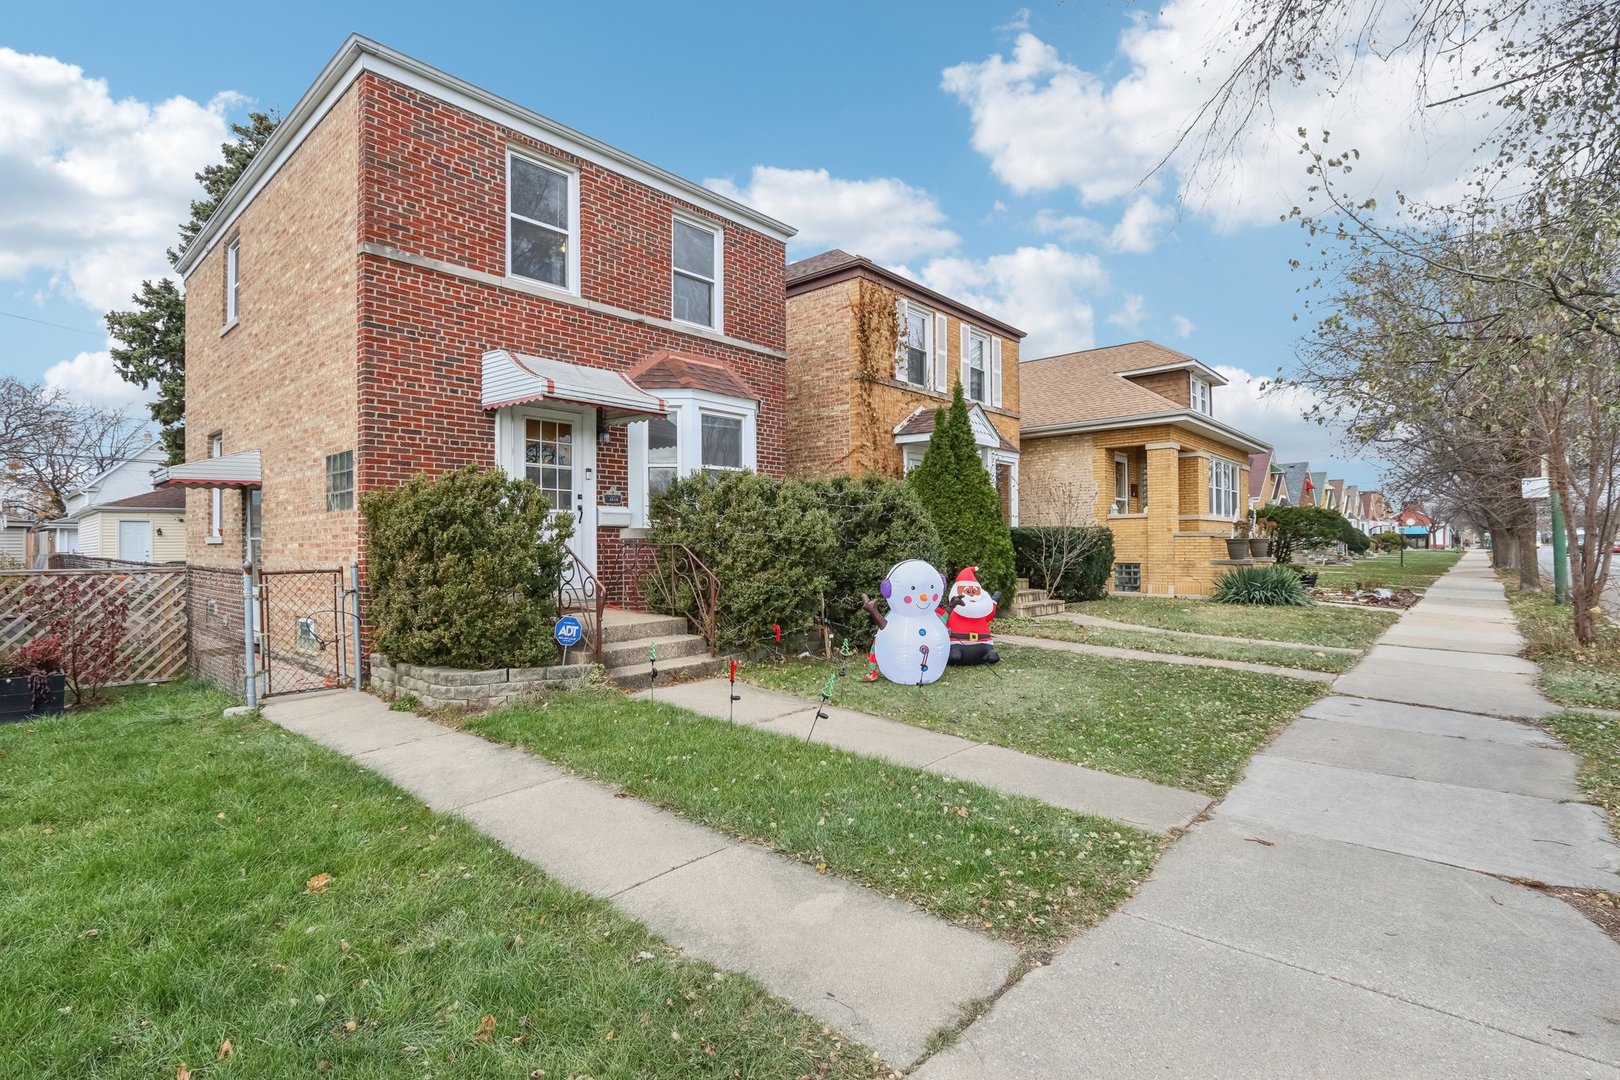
(734, 697)
(911, 632)
(821, 707)
(652, 663)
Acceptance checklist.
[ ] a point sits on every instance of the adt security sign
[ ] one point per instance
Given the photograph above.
(568, 631)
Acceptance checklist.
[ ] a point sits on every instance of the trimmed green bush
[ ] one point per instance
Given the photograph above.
(954, 488)
(1070, 562)
(783, 548)
(464, 570)
(1353, 538)
(1301, 528)
(1270, 586)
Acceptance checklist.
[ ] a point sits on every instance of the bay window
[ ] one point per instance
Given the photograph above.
(722, 443)
(663, 454)
(702, 432)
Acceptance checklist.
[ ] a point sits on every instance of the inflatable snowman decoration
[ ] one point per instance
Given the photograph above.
(912, 647)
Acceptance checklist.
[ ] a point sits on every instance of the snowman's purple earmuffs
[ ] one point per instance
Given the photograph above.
(886, 589)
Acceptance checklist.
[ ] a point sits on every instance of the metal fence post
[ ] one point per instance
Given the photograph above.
(354, 604)
(251, 684)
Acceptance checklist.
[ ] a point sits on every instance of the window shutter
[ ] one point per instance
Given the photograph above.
(942, 352)
(900, 336)
(995, 372)
(967, 341)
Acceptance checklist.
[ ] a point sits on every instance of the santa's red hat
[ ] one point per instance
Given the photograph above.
(970, 573)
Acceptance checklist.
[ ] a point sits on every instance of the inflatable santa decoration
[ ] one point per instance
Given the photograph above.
(970, 609)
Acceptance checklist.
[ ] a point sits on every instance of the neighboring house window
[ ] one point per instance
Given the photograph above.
(663, 454)
(1223, 485)
(911, 456)
(1128, 577)
(233, 279)
(1201, 397)
(1122, 484)
(697, 262)
(340, 481)
(913, 361)
(216, 516)
(540, 224)
(978, 367)
(722, 443)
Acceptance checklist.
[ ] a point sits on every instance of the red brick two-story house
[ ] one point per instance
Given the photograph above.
(415, 274)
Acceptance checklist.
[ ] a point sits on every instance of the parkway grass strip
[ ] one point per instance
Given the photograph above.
(175, 879)
(1005, 865)
(1181, 643)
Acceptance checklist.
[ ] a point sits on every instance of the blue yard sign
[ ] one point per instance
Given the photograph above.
(568, 631)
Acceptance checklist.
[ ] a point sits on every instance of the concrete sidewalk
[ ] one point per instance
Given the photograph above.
(1142, 803)
(1344, 912)
(883, 972)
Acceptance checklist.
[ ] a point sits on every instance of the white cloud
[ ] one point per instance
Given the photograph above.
(1278, 418)
(1046, 124)
(883, 218)
(90, 377)
(1045, 291)
(1132, 310)
(1019, 21)
(1184, 326)
(93, 189)
(1137, 232)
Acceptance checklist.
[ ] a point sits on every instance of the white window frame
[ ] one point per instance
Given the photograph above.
(717, 283)
(233, 280)
(686, 410)
(1122, 471)
(1142, 491)
(1201, 396)
(1224, 502)
(216, 496)
(572, 176)
(902, 372)
(911, 456)
(975, 334)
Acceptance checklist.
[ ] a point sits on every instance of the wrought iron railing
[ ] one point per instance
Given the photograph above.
(684, 578)
(580, 594)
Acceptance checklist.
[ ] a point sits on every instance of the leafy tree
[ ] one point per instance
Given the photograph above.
(953, 486)
(1300, 528)
(151, 336)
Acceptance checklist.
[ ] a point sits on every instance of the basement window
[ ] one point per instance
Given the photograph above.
(1128, 577)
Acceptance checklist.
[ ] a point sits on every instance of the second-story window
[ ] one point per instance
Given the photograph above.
(978, 367)
(697, 259)
(233, 279)
(1200, 396)
(539, 222)
(914, 362)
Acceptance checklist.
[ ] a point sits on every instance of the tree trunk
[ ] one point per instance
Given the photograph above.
(1504, 548)
(1525, 541)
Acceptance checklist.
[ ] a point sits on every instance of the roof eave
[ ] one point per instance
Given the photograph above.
(859, 263)
(1241, 440)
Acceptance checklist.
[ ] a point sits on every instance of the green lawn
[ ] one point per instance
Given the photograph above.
(1572, 675)
(156, 861)
(1191, 727)
(1318, 624)
(1421, 569)
(1009, 866)
(1597, 740)
(1059, 629)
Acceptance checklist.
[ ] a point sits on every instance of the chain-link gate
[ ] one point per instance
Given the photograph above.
(302, 631)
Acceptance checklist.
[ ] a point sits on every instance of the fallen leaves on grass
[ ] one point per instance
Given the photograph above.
(318, 884)
(486, 1028)
(226, 1049)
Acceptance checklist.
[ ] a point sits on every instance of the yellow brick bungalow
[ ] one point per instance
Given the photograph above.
(1127, 436)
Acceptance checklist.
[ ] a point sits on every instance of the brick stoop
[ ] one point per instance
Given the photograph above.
(1031, 603)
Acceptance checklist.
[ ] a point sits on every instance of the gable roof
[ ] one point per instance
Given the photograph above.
(1087, 390)
(1259, 474)
(667, 369)
(1294, 473)
(921, 423)
(163, 498)
(359, 54)
(151, 454)
(837, 265)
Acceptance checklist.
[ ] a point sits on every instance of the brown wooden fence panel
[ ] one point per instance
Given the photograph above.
(156, 640)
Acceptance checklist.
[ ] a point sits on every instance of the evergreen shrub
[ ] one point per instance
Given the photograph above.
(955, 489)
(1071, 562)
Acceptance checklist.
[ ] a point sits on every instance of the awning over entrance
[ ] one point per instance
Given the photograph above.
(231, 470)
(514, 379)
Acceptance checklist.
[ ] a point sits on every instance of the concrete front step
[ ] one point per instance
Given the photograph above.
(673, 647)
(619, 626)
(1029, 596)
(1037, 608)
(680, 669)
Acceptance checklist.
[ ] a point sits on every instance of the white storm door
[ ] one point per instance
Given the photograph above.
(555, 450)
(135, 541)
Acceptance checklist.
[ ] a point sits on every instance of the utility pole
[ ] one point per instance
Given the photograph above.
(1560, 549)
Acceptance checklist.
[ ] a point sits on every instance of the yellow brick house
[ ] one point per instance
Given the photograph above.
(873, 354)
(1129, 436)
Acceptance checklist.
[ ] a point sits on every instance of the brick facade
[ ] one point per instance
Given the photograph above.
(1174, 385)
(373, 281)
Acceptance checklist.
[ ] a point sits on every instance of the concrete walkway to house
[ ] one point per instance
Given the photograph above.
(1142, 628)
(1142, 803)
(881, 971)
(1348, 911)
(1114, 653)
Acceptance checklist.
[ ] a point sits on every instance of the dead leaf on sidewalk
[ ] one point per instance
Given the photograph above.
(1257, 840)
(318, 883)
(486, 1028)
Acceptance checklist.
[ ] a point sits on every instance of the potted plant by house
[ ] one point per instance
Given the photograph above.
(1237, 545)
(1260, 537)
(32, 682)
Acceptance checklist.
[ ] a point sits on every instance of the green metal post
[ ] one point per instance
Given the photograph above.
(1560, 551)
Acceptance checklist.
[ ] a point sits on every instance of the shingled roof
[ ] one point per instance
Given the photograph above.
(1080, 386)
(667, 369)
(836, 265)
(163, 498)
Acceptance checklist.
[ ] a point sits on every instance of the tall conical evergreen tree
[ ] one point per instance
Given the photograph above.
(955, 489)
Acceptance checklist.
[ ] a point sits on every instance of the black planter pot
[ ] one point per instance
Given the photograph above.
(1259, 547)
(1237, 547)
(1308, 580)
(24, 697)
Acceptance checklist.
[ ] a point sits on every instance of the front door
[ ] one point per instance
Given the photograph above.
(135, 541)
(555, 449)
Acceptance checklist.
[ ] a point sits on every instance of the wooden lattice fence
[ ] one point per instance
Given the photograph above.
(156, 639)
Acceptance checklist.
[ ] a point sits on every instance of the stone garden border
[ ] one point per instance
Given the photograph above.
(463, 688)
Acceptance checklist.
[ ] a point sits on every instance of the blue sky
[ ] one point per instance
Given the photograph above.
(998, 153)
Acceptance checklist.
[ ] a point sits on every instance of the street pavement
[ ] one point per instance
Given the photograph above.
(1610, 600)
(1354, 909)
